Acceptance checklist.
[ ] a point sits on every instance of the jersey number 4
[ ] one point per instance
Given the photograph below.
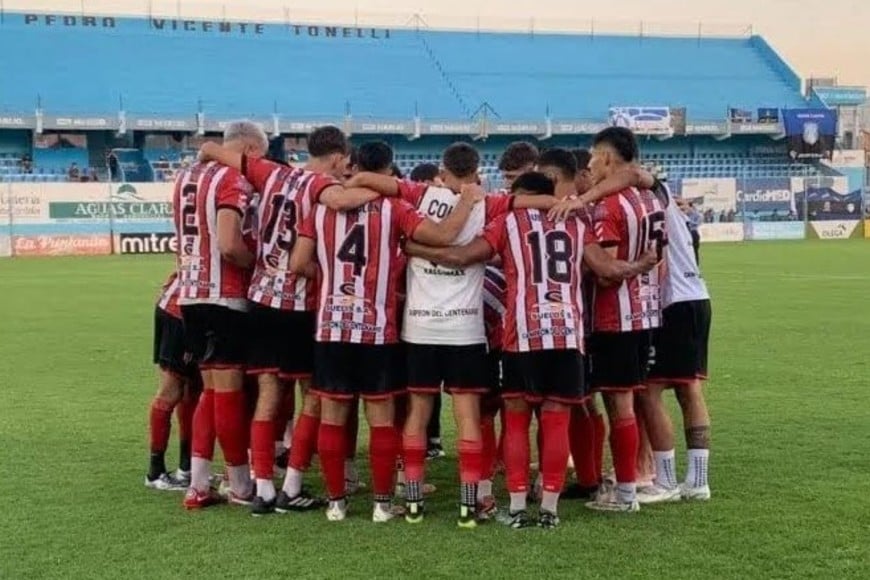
(353, 249)
(557, 252)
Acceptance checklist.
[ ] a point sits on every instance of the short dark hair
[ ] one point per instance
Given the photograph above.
(424, 172)
(561, 159)
(582, 156)
(397, 173)
(375, 156)
(518, 154)
(353, 156)
(621, 140)
(461, 159)
(326, 141)
(535, 183)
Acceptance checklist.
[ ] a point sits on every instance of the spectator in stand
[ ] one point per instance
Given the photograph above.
(693, 220)
(92, 175)
(730, 216)
(74, 173)
(709, 217)
(26, 163)
(114, 167)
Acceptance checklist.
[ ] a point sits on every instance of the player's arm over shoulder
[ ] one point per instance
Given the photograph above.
(332, 194)
(476, 251)
(610, 270)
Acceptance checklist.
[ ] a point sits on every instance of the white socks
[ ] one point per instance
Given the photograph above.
(626, 492)
(666, 470)
(518, 502)
(200, 474)
(550, 501)
(696, 475)
(292, 482)
(266, 489)
(240, 479)
(484, 489)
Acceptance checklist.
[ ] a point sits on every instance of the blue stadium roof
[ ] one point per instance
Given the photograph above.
(392, 74)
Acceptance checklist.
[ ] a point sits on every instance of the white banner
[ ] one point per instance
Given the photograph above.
(835, 230)
(5, 246)
(722, 232)
(643, 120)
(719, 195)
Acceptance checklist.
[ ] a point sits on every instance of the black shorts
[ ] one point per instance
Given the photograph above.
(282, 343)
(462, 369)
(619, 361)
(216, 336)
(491, 402)
(345, 370)
(544, 375)
(170, 352)
(680, 345)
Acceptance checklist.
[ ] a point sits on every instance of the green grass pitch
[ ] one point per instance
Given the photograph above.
(789, 400)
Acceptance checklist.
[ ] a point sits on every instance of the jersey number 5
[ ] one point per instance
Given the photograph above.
(353, 249)
(559, 254)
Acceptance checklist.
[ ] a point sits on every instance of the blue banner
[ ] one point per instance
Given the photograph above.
(766, 199)
(810, 132)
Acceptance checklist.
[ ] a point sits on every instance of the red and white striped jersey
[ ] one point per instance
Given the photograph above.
(168, 300)
(494, 307)
(287, 197)
(542, 263)
(359, 269)
(633, 221)
(206, 278)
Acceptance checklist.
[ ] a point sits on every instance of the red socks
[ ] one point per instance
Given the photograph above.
(554, 456)
(331, 446)
(414, 452)
(304, 442)
(516, 449)
(383, 447)
(263, 448)
(624, 443)
(160, 419)
(203, 426)
(230, 418)
(470, 460)
(489, 447)
(600, 436)
(582, 440)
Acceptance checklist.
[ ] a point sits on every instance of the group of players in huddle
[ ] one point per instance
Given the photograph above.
(578, 279)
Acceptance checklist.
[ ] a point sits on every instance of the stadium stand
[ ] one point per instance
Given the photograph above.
(388, 75)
